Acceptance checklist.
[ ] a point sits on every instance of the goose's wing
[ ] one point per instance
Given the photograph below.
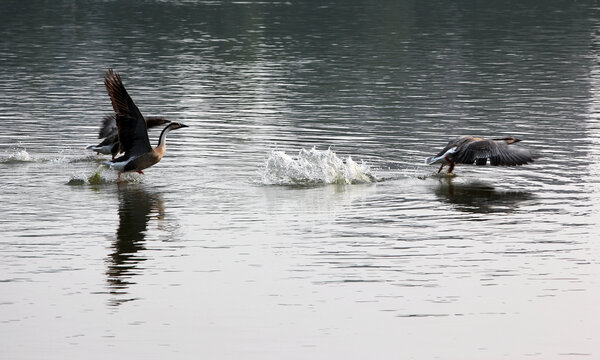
(499, 153)
(109, 140)
(133, 134)
(459, 141)
(153, 121)
(108, 127)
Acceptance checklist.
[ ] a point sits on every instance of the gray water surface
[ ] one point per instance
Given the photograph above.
(223, 251)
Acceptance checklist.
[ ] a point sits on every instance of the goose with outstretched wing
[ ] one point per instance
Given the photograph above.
(132, 130)
(476, 150)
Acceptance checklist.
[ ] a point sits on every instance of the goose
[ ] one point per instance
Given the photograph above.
(110, 134)
(132, 130)
(470, 149)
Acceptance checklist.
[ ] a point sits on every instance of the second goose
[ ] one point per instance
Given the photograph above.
(110, 134)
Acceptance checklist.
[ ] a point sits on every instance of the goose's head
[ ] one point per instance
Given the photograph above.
(167, 129)
(176, 125)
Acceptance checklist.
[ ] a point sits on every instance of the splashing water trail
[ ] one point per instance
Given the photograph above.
(17, 156)
(313, 166)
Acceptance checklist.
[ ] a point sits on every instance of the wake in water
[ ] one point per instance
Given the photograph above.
(20, 156)
(312, 167)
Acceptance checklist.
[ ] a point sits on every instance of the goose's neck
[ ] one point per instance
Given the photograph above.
(162, 140)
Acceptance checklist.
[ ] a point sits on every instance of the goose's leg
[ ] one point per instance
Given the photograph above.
(441, 167)
(451, 168)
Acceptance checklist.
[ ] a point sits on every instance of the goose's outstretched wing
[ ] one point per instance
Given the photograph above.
(457, 142)
(108, 127)
(499, 153)
(133, 133)
(154, 121)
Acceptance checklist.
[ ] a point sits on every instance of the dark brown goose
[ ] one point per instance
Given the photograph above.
(132, 129)
(110, 134)
(470, 149)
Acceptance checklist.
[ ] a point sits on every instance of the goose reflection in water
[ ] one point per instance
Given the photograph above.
(479, 197)
(136, 208)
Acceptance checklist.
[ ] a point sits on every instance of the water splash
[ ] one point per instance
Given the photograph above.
(68, 156)
(311, 167)
(17, 156)
(100, 177)
(65, 156)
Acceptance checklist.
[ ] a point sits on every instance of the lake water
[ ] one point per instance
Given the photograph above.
(295, 218)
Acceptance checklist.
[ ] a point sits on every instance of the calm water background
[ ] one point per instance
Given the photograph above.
(203, 257)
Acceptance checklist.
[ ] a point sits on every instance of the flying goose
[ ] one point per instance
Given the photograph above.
(470, 149)
(132, 129)
(110, 134)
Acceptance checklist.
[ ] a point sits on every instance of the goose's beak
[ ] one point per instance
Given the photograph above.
(183, 125)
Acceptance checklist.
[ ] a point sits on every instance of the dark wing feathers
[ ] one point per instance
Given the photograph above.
(511, 155)
(153, 121)
(109, 140)
(499, 153)
(133, 134)
(470, 152)
(459, 141)
(108, 127)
